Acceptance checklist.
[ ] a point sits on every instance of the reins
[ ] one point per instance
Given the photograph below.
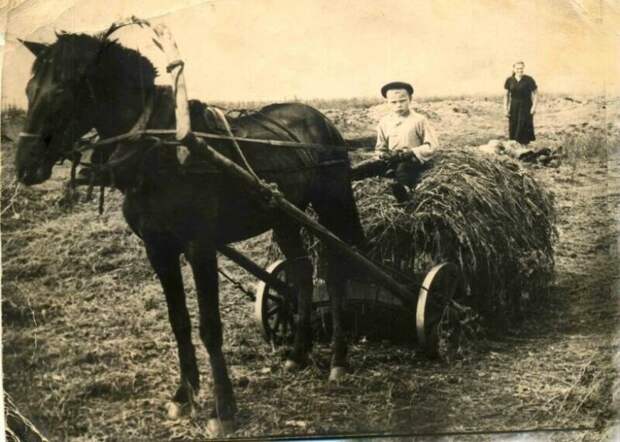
(247, 165)
(136, 133)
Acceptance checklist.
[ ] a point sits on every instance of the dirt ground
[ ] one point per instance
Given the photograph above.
(88, 353)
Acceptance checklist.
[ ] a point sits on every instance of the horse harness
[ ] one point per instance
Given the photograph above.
(140, 132)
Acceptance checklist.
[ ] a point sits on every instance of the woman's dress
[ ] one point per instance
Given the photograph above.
(521, 121)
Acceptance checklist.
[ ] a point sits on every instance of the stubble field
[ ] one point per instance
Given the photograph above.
(88, 353)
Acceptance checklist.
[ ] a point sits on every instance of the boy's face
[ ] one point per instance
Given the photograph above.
(399, 101)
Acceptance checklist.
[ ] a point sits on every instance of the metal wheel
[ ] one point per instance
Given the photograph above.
(275, 313)
(440, 285)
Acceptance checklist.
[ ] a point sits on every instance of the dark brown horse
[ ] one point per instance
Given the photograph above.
(82, 82)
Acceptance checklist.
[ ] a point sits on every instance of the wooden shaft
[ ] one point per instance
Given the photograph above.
(200, 148)
(256, 270)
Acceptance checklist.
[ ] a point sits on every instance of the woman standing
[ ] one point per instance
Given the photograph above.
(520, 104)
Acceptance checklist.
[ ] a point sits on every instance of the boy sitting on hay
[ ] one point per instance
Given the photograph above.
(405, 142)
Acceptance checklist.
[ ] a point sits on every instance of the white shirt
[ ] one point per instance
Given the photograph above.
(413, 133)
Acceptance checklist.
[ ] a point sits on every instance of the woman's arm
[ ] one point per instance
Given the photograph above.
(507, 103)
(534, 101)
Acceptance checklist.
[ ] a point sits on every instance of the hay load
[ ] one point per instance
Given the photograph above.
(488, 216)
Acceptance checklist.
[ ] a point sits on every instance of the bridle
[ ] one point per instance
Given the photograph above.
(76, 149)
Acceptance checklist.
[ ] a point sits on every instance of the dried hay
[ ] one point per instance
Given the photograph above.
(489, 217)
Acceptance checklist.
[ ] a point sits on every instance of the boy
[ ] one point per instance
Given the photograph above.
(404, 137)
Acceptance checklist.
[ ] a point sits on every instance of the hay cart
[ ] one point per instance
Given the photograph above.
(417, 303)
(423, 302)
(371, 310)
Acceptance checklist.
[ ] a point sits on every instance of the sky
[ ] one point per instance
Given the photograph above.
(274, 50)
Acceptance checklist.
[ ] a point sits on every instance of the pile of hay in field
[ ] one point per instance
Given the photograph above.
(488, 216)
(541, 155)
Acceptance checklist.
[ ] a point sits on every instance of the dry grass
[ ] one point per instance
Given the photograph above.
(588, 143)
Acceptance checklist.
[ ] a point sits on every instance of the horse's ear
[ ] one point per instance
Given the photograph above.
(34, 47)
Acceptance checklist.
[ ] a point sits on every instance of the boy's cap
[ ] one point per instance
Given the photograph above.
(396, 85)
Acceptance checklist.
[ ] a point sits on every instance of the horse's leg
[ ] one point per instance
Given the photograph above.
(336, 288)
(203, 260)
(337, 212)
(300, 274)
(165, 262)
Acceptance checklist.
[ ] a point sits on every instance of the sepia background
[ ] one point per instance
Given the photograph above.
(87, 349)
(275, 50)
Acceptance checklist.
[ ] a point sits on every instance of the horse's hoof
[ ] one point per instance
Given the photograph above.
(177, 411)
(336, 374)
(218, 428)
(291, 365)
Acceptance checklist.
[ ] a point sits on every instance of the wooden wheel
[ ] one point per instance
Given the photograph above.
(275, 313)
(438, 288)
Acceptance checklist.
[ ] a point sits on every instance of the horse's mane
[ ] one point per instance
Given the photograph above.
(83, 54)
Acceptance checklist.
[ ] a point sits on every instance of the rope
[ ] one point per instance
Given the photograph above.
(220, 114)
(249, 293)
(205, 135)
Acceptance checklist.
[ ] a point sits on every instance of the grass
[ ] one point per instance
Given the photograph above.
(588, 144)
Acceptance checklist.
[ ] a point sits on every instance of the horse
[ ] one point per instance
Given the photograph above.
(82, 82)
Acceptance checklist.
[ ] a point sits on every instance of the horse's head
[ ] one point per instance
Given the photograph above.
(60, 108)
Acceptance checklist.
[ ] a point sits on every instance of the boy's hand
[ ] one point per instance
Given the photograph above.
(384, 155)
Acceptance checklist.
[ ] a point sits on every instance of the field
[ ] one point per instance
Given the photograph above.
(88, 353)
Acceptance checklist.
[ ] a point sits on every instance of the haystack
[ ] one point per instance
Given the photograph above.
(488, 216)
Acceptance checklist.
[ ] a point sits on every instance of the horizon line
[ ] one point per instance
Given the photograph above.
(366, 98)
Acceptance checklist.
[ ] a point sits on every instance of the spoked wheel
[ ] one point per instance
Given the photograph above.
(440, 285)
(275, 312)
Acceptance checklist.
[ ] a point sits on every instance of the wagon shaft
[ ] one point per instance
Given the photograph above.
(256, 270)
